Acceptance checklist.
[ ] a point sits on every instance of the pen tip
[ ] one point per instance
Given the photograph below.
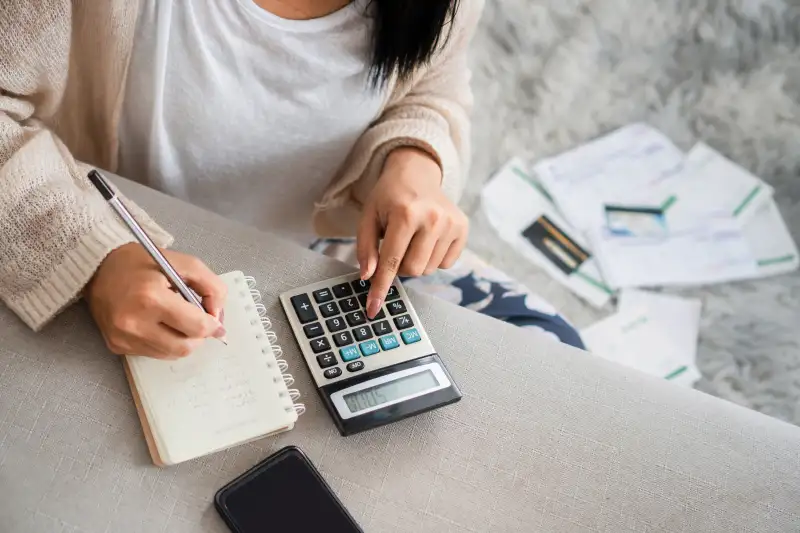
(224, 340)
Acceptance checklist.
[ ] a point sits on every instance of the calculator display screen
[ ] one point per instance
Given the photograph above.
(390, 391)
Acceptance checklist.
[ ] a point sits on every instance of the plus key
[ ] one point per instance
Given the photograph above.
(302, 306)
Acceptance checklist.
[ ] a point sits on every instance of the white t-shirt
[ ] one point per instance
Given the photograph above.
(242, 112)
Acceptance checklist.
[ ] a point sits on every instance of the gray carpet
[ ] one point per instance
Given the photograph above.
(550, 74)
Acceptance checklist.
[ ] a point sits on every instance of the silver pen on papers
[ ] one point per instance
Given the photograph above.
(172, 275)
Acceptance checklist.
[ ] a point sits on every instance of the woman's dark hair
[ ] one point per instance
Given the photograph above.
(406, 35)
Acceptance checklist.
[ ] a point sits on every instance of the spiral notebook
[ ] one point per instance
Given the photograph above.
(219, 396)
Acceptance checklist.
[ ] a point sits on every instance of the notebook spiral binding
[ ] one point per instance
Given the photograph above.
(277, 351)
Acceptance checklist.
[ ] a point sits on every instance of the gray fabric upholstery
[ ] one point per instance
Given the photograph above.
(547, 438)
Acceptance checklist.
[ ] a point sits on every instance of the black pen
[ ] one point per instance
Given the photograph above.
(138, 231)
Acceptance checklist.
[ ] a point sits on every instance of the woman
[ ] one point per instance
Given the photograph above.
(304, 117)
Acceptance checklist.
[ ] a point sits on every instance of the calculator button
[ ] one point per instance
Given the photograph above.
(403, 322)
(355, 319)
(335, 324)
(313, 330)
(349, 304)
(349, 353)
(355, 366)
(381, 328)
(389, 342)
(360, 285)
(329, 309)
(410, 336)
(363, 333)
(303, 308)
(326, 360)
(342, 290)
(396, 308)
(320, 345)
(343, 339)
(369, 348)
(393, 294)
(323, 295)
(380, 316)
(331, 373)
(363, 299)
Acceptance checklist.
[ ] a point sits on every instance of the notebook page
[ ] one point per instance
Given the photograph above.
(220, 395)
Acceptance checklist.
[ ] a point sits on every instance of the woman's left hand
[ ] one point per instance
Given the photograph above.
(422, 230)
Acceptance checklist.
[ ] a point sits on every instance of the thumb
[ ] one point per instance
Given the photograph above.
(367, 242)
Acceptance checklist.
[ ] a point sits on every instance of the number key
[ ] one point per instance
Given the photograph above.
(363, 299)
(381, 328)
(343, 339)
(360, 285)
(349, 304)
(355, 319)
(329, 309)
(395, 308)
(363, 333)
(335, 324)
(342, 290)
(323, 295)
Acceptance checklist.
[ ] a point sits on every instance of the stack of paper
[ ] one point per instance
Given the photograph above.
(653, 333)
(524, 216)
(654, 216)
(631, 210)
(634, 165)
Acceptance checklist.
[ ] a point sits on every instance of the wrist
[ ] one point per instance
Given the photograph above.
(415, 159)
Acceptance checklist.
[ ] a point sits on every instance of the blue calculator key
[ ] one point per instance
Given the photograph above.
(389, 342)
(369, 348)
(349, 353)
(410, 336)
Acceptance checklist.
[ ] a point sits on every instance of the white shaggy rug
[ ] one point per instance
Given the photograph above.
(550, 74)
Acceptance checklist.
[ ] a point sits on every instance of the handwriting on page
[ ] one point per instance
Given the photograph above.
(210, 382)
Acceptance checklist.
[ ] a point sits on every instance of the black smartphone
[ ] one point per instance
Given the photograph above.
(284, 492)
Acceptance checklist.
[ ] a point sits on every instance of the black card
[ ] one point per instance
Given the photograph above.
(562, 251)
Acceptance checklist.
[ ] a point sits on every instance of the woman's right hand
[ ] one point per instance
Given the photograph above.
(139, 313)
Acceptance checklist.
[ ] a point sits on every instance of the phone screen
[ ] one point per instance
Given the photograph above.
(285, 494)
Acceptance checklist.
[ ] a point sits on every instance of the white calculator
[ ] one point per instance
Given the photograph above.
(368, 372)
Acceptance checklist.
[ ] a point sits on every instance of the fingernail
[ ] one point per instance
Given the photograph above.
(374, 307)
(221, 315)
(367, 270)
(220, 333)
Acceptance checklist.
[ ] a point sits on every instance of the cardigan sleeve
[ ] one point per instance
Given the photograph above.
(431, 113)
(55, 228)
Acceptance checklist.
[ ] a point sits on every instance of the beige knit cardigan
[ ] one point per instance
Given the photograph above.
(62, 76)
